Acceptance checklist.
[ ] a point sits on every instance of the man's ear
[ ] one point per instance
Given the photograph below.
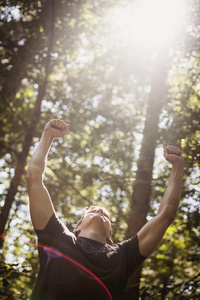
(110, 239)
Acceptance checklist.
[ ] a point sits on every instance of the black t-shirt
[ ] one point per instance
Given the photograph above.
(78, 268)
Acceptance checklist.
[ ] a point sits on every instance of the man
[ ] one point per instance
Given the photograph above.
(82, 265)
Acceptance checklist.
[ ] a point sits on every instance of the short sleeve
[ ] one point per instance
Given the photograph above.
(132, 255)
(52, 231)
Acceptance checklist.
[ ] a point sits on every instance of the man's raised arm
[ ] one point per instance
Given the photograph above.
(41, 206)
(152, 232)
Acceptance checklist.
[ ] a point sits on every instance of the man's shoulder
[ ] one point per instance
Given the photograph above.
(130, 241)
(55, 228)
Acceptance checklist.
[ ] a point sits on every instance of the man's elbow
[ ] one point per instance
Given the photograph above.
(169, 213)
(33, 174)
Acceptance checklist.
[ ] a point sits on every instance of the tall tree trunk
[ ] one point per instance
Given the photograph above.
(142, 186)
(21, 162)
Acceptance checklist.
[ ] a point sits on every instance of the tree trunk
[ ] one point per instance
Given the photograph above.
(142, 186)
(21, 162)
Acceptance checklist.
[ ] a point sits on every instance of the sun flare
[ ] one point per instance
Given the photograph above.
(149, 21)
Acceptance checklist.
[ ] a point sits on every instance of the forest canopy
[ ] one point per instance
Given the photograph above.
(125, 76)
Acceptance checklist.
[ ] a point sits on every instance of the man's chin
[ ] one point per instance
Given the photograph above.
(98, 219)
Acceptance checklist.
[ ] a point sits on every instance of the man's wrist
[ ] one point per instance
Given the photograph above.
(180, 162)
(47, 135)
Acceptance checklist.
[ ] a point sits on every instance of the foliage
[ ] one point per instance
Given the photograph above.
(101, 91)
(14, 281)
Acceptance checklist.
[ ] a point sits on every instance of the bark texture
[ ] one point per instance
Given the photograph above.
(28, 140)
(140, 200)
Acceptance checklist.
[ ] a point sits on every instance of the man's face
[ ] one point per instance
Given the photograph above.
(97, 219)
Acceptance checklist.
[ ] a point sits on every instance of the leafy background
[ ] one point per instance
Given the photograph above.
(123, 98)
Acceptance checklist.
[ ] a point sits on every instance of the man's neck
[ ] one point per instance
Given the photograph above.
(93, 235)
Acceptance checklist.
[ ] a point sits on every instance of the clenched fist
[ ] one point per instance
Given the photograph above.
(56, 128)
(173, 154)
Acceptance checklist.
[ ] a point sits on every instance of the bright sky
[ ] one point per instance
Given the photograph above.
(149, 21)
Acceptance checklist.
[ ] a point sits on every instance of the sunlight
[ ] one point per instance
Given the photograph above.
(149, 21)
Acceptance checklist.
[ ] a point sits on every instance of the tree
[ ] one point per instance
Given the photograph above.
(22, 156)
(142, 186)
(101, 88)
